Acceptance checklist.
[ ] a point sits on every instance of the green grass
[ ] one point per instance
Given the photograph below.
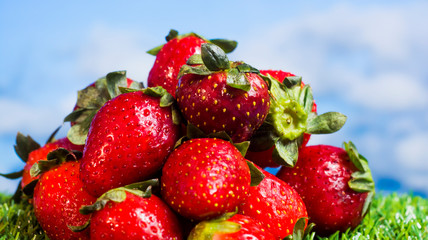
(391, 217)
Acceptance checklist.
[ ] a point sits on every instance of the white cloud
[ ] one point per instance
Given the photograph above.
(108, 49)
(377, 53)
(410, 152)
(389, 91)
(27, 118)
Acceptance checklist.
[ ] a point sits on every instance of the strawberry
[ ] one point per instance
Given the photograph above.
(291, 116)
(275, 204)
(264, 158)
(335, 184)
(128, 213)
(59, 194)
(30, 153)
(236, 227)
(42, 153)
(204, 178)
(128, 140)
(91, 99)
(222, 96)
(174, 54)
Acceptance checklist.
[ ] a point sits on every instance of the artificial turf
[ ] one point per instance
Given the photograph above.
(391, 216)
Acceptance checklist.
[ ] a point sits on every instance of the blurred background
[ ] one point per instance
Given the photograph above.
(365, 59)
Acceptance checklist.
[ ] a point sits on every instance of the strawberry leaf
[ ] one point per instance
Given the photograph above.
(263, 138)
(292, 81)
(286, 152)
(305, 96)
(225, 44)
(77, 133)
(195, 59)
(299, 230)
(361, 180)
(114, 80)
(198, 70)
(29, 188)
(142, 189)
(329, 122)
(154, 51)
(13, 175)
(237, 80)
(171, 35)
(242, 146)
(246, 68)
(257, 176)
(214, 58)
(80, 228)
(54, 159)
(24, 145)
(52, 136)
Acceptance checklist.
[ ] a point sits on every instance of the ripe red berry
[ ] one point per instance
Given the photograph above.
(275, 204)
(128, 141)
(204, 178)
(232, 98)
(135, 217)
(58, 195)
(335, 184)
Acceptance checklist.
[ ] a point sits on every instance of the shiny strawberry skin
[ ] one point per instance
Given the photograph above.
(41, 154)
(321, 177)
(204, 178)
(264, 158)
(135, 218)
(275, 204)
(211, 105)
(128, 141)
(58, 195)
(169, 60)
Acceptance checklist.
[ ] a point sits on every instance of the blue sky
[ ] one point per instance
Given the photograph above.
(364, 59)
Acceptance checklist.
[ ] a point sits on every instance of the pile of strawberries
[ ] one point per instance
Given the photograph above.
(185, 157)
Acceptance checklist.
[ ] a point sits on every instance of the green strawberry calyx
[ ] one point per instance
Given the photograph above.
(299, 230)
(142, 189)
(54, 159)
(225, 44)
(290, 116)
(361, 180)
(91, 99)
(213, 60)
(207, 229)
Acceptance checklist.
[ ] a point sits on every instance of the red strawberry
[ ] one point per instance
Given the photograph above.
(292, 116)
(237, 227)
(30, 153)
(91, 99)
(124, 213)
(58, 195)
(129, 140)
(174, 54)
(224, 97)
(275, 204)
(335, 184)
(264, 158)
(204, 178)
(41, 154)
